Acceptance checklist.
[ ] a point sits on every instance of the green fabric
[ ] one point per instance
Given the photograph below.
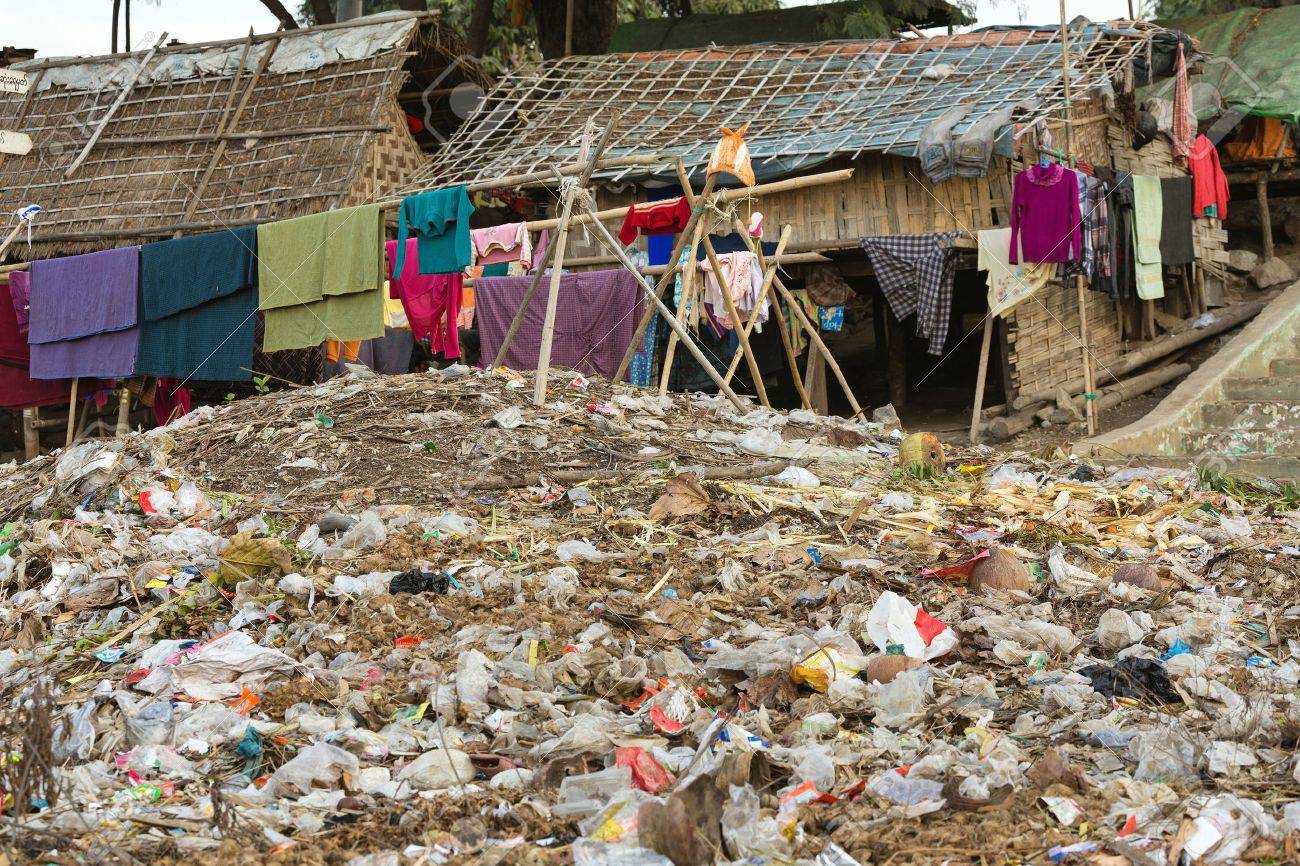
(440, 222)
(1254, 65)
(1148, 214)
(320, 277)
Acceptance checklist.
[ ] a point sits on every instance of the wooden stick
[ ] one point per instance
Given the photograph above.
(687, 302)
(1090, 410)
(124, 414)
(31, 433)
(112, 109)
(723, 387)
(816, 338)
(769, 272)
(980, 376)
(72, 413)
(225, 127)
(1265, 219)
(552, 303)
(665, 280)
(517, 322)
(733, 314)
(10, 239)
(783, 329)
(547, 176)
(815, 379)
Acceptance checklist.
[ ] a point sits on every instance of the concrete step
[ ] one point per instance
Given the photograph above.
(1285, 367)
(1250, 442)
(1269, 388)
(1245, 414)
(1277, 467)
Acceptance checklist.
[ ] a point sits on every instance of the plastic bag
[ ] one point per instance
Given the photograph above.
(746, 832)
(74, 735)
(568, 551)
(894, 622)
(152, 724)
(361, 586)
(318, 763)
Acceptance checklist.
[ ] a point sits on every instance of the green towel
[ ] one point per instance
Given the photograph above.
(320, 277)
(1148, 210)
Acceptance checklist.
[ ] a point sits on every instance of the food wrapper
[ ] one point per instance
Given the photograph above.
(822, 668)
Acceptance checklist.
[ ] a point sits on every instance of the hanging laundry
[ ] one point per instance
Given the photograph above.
(18, 390)
(1102, 277)
(742, 279)
(439, 220)
(503, 243)
(826, 286)
(19, 294)
(1147, 220)
(641, 371)
(916, 275)
(830, 318)
(319, 278)
(1008, 284)
(1176, 220)
(349, 349)
(731, 156)
(1210, 197)
(655, 218)
(388, 355)
(84, 315)
(1260, 139)
(432, 301)
(596, 317)
(304, 366)
(1184, 120)
(1046, 225)
(1082, 266)
(198, 298)
(171, 400)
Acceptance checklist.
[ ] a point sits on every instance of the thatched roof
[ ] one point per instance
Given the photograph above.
(805, 102)
(205, 140)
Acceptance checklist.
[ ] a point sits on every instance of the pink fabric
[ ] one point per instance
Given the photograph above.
(1183, 130)
(431, 301)
(503, 243)
(1045, 220)
(1209, 186)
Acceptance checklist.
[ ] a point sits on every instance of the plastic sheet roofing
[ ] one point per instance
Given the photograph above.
(804, 102)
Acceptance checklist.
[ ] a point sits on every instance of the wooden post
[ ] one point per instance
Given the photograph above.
(552, 302)
(665, 280)
(769, 272)
(1265, 220)
(686, 302)
(617, 249)
(816, 339)
(1090, 407)
(112, 109)
(568, 28)
(124, 413)
(31, 433)
(896, 362)
(10, 238)
(816, 381)
(72, 413)
(783, 329)
(980, 375)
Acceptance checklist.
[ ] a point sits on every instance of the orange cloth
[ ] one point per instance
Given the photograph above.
(351, 350)
(732, 156)
(1264, 138)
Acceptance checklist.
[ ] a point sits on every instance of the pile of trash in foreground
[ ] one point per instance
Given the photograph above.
(417, 620)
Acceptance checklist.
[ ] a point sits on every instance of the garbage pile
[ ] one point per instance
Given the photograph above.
(418, 620)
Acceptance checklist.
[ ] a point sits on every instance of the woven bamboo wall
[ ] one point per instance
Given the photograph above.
(1043, 337)
(887, 195)
(391, 159)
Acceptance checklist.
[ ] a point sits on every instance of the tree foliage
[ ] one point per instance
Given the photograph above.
(1167, 9)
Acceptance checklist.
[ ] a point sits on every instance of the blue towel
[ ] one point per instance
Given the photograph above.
(440, 222)
(199, 306)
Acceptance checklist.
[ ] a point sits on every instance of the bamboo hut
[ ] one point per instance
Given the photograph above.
(863, 105)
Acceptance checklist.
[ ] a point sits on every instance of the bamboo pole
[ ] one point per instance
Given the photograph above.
(742, 337)
(10, 239)
(517, 322)
(112, 109)
(686, 302)
(816, 339)
(31, 433)
(72, 413)
(664, 280)
(1090, 409)
(124, 414)
(791, 357)
(769, 271)
(723, 387)
(980, 376)
(552, 303)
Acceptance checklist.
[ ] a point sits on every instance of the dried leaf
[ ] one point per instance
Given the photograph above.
(248, 557)
(683, 496)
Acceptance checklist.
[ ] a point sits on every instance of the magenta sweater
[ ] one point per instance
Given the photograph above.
(1045, 220)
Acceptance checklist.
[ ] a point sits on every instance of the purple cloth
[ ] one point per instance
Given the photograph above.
(598, 312)
(1045, 221)
(84, 312)
(19, 290)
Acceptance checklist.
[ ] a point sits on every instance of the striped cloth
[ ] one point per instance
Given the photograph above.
(916, 274)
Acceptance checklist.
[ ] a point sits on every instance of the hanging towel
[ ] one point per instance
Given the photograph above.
(84, 311)
(19, 293)
(18, 390)
(439, 220)
(596, 316)
(916, 274)
(1008, 284)
(1176, 220)
(319, 278)
(1147, 220)
(432, 301)
(198, 305)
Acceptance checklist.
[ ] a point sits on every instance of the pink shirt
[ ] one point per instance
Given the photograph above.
(503, 243)
(431, 301)
(1045, 220)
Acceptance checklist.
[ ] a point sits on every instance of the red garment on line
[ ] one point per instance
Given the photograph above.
(1209, 186)
(431, 301)
(18, 390)
(170, 401)
(660, 218)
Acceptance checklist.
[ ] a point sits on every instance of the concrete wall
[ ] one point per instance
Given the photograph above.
(1271, 334)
